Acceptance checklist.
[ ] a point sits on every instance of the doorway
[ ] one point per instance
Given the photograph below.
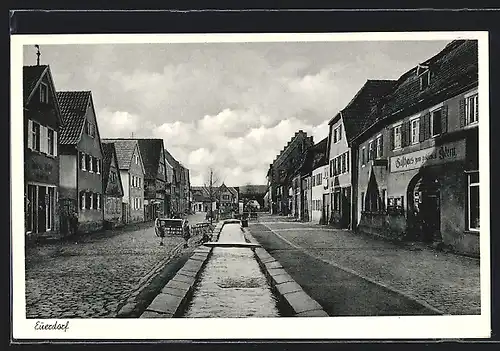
(425, 200)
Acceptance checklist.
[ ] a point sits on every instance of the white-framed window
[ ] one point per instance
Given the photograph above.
(34, 132)
(347, 161)
(415, 130)
(425, 79)
(91, 164)
(337, 134)
(98, 166)
(51, 142)
(344, 161)
(378, 146)
(436, 116)
(98, 196)
(44, 93)
(473, 200)
(83, 161)
(471, 109)
(363, 155)
(370, 150)
(396, 131)
(90, 129)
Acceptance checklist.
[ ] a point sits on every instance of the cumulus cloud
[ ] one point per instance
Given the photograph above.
(229, 106)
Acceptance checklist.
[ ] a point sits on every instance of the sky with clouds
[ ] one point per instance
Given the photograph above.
(227, 106)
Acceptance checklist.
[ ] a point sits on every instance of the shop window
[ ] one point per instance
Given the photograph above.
(471, 109)
(473, 200)
(415, 130)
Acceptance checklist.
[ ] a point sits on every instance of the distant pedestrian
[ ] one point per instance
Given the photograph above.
(159, 230)
(187, 233)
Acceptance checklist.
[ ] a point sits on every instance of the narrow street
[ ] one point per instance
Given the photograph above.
(93, 276)
(354, 275)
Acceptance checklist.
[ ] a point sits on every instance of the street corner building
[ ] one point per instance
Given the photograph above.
(42, 122)
(131, 171)
(81, 154)
(112, 186)
(155, 178)
(417, 155)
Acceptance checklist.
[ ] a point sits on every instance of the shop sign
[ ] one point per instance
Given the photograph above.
(450, 152)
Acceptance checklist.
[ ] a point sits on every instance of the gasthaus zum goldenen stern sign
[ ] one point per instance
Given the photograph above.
(427, 157)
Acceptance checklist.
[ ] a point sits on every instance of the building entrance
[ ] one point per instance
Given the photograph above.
(424, 197)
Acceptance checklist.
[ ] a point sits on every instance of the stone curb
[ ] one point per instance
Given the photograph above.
(177, 292)
(291, 293)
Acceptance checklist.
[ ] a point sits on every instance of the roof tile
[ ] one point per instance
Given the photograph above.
(73, 105)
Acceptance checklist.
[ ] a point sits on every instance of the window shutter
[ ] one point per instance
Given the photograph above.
(56, 145)
(421, 128)
(461, 112)
(381, 145)
(427, 126)
(391, 137)
(30, 133)
(477, 107)
(403, 134)
(444, 119)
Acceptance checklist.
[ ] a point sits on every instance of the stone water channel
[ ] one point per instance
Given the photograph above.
(232, 283)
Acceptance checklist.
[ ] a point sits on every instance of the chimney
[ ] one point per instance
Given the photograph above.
(37, 55)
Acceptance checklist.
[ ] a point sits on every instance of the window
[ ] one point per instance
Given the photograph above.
(337, 134)
(425, 80)
(44, 93)
(90, 129)
(82, 200)
(397, 137)
(88, 163)
(370, 150)
(436, 122)
(82, 161)
(362, 201)
(98, 166)
(471, 109)
(379, 147)
(50, 141)
(473, 201)
(35, 136)
(415, 130)
(363, 155)
(95, 201)
(343, 163)
(88, 200)
(331, 168)
(347, 161)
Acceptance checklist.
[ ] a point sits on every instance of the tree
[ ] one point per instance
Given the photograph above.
(211, 186)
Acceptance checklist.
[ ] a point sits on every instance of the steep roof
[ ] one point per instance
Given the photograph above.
(124, 151)
(150, 152)
(32, 75)
(355, 114)
(73, 105)
(320, 157)
(452, 69)
(109, 152)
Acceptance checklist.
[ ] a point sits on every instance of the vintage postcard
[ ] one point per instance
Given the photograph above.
(250, 186)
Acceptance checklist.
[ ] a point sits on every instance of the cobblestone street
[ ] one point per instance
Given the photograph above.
(92, 276)
(448, 282)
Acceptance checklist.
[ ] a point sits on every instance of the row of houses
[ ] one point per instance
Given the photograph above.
(226, 199)
(76, 180)
(400, 160)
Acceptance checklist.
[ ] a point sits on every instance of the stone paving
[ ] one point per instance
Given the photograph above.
(92, 276)
(446, 281)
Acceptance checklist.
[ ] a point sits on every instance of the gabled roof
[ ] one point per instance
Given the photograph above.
(109, 153)
(253, 189)
(355, 114)
(150, 152)
(174, 163)
(32, 76)
(73, 106)
(124, 151)
(452, 69)
(232, 190)
(320, 157)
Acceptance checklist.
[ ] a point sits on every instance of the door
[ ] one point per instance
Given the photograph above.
(31, 209)
(426, 209)
(346, 207)
(42, 209)
(326, 208)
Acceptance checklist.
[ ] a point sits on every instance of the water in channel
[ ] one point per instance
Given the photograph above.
(232, 284)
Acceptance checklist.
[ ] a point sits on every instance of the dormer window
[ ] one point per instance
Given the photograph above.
(90, 129)
(44, 93)
(425, 79)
